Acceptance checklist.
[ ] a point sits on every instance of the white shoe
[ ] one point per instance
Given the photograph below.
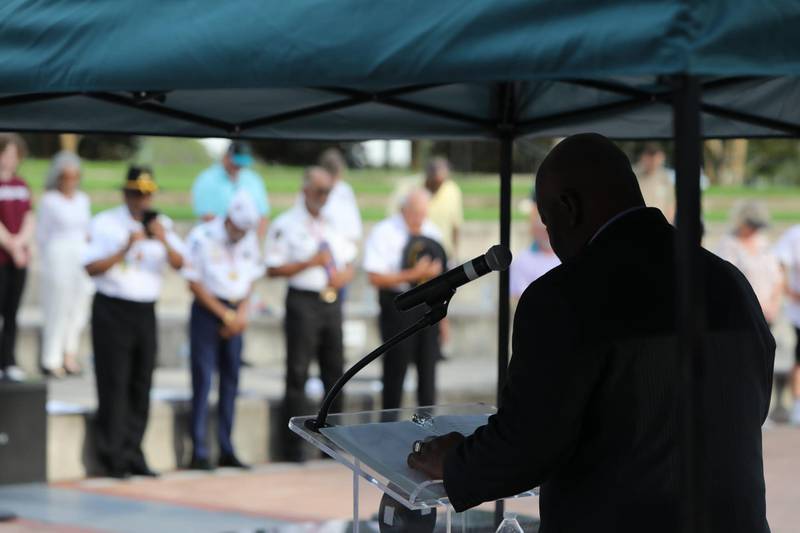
(15, 373)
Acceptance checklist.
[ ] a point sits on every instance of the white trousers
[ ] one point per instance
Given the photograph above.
(66, 292)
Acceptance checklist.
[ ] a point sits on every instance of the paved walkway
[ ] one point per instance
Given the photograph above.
(284, 498)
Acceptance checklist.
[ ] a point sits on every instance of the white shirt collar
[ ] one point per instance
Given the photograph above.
(306, 216)
(614, 219)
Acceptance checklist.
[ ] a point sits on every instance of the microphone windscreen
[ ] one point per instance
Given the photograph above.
(498, 257)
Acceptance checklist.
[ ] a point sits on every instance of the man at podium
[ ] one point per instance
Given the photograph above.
(591, 408)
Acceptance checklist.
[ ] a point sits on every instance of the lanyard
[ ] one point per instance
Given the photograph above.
(317, 231)
(229, 251)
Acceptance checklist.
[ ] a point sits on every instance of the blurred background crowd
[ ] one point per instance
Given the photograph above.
(100, 229)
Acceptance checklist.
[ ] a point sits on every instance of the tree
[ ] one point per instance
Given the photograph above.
(774, 161)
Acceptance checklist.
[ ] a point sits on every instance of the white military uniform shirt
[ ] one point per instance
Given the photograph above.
(383, 253)
(225, 269)
(787, 250)
(139, 275)
(296, 236)
(341, 209)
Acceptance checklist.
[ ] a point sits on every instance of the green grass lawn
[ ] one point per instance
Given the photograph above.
(283, 182)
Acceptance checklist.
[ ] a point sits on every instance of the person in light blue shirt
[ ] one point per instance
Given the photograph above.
(214, 187)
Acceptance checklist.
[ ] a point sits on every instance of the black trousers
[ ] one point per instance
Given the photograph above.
(797, 346)
(12, 282)
(422, 348)
(124, 337)
(313, 330)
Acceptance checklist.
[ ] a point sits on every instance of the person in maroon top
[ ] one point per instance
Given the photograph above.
(16, 233)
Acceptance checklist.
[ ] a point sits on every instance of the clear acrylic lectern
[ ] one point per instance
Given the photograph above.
(375, 445)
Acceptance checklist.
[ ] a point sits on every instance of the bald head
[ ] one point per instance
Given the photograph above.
(583, 182)
(317, 183)
(415, 209)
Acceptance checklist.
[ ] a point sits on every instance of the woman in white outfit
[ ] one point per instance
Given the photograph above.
(62, 233)
(749, 249)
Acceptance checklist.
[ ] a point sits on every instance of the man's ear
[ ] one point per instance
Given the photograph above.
(573, 206)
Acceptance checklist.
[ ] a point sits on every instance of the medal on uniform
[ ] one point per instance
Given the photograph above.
(329, 295)
(233, 275)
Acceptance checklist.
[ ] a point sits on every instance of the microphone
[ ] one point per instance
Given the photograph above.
(440, 287)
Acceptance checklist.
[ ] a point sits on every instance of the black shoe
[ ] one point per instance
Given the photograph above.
(118, 473)
(200, 463)
(231, 461)
(141, 469)
(54, 373)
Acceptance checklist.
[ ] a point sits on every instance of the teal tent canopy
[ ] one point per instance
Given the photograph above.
(354, 69)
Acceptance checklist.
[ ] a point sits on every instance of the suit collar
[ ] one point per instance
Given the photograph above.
(614, 219)
(629, 227)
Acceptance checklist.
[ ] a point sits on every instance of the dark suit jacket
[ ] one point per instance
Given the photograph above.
(591, 408)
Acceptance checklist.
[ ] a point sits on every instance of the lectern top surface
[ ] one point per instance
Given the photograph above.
(375, 445)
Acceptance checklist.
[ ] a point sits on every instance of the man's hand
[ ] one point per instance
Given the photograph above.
(235, 326)
(20, 253)
(425, 269)
(340, 278)
(430, 459)
(321, 258)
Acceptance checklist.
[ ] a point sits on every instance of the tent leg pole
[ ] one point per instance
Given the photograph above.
(690, 303)
(503, 295)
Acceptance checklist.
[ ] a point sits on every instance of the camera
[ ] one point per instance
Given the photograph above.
(149, 216)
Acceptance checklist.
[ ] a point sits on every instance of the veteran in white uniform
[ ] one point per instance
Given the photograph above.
(129, 248)
(222, 263)
(384, 263)
(305, 247)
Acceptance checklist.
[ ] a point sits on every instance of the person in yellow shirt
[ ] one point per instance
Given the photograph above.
(656, 181)
(445, 209)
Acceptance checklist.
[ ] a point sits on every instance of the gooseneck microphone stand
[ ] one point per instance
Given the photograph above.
(436, 312)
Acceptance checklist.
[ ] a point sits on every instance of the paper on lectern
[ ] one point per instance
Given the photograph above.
(385, 446)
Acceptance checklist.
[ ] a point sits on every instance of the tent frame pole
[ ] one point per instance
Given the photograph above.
(505, 131)
(504, 308)
(689, 287)
(503, 296)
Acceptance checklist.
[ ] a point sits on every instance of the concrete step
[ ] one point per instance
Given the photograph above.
(259, 423)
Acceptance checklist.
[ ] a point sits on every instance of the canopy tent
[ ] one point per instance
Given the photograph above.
(357, 69)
